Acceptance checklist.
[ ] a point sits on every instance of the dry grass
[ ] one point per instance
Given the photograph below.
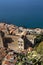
(39, 49)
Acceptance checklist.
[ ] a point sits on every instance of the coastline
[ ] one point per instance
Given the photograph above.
(30, 25)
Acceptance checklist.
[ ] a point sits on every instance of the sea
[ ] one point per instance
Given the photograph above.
(26, 13)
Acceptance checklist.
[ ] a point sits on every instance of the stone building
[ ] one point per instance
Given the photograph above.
(1, 42)
(21, 44)
(24, 43)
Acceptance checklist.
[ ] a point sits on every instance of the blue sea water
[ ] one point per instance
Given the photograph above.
(28, 13)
